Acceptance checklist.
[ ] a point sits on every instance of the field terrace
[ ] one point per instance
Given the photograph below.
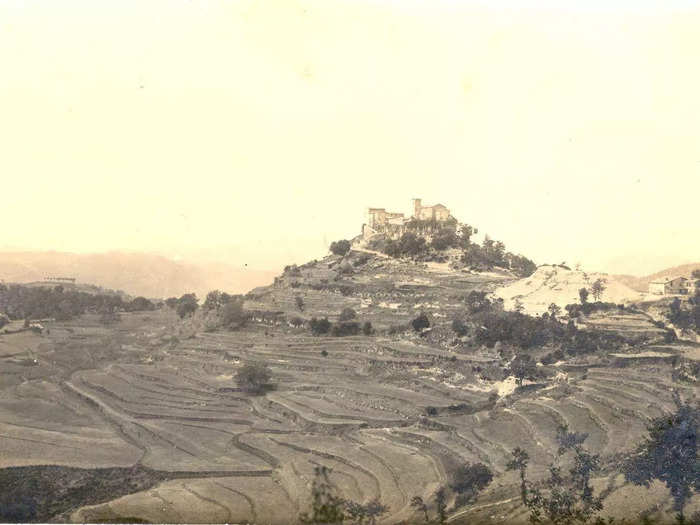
(392, 417)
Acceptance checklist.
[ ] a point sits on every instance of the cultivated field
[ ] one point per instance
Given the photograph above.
(151, 402)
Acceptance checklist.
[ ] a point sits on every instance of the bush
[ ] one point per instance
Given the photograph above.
(319, 326)
(421, 322)
(346, 328)
(347, 314)
(340, 247)
(367, 328)
(253, 378)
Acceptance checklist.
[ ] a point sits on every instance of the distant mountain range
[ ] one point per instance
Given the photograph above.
(642, 283)
(149, 275)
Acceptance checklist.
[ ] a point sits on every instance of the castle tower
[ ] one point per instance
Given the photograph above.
(416, 208)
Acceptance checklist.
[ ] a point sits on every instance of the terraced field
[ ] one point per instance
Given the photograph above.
(392, 416)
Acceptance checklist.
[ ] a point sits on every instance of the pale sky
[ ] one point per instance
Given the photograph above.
(258, 132)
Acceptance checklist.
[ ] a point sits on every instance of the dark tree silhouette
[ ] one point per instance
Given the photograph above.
(670, 454)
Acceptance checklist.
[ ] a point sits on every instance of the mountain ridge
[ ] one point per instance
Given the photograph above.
(135, 273)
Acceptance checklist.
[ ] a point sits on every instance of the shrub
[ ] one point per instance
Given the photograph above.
(367, 328)
(421, 322)
(253, 378)
(347, 314)
(319, 326)
(346, 328)
(340, 247)
(324, 353)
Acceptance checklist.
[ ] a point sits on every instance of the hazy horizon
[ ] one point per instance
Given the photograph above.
(257, 133)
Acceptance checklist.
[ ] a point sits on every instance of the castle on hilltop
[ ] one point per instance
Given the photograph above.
(393, 224)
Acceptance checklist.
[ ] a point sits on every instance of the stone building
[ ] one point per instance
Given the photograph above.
(393, 224)
(669, 286)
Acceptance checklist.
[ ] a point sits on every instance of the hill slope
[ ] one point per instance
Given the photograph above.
(641, 284)
(135, 273)
(555, 284)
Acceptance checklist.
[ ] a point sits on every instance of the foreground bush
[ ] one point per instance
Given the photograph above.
(253, 378)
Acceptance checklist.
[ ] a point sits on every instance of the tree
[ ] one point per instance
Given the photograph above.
(598, 288)
(367, 328)
(253, 378)
(171, 302)
(695, 274)
(233, 315)
(4, 320)
(466, 233)
(420, 323)
(140, 304)
(212, 301)
(347, 314)
(340, 247)
(326, 506)
(441, 504)
(554, 310)
(470, 479)
(583, 295)
(299, 302)
(670, 454)
(522, 367)
(418, 504)
(567, 498)
(519, 463)
(319, 326)
(186, 305)
(518, 306)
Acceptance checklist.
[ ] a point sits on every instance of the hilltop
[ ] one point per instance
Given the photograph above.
(136, 273)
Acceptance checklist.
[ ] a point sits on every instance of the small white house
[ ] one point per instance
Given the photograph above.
(669, 286)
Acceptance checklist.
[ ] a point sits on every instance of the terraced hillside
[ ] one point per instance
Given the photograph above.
(153, 402)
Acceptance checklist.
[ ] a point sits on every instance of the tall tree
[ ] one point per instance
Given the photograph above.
(670, 454)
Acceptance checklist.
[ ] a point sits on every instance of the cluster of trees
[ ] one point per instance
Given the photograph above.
(328, 507)
(38, 302)
(487, 323)
(347, 325)
(688, 317)
(668, 454)
(492, 254)
(485, 256)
